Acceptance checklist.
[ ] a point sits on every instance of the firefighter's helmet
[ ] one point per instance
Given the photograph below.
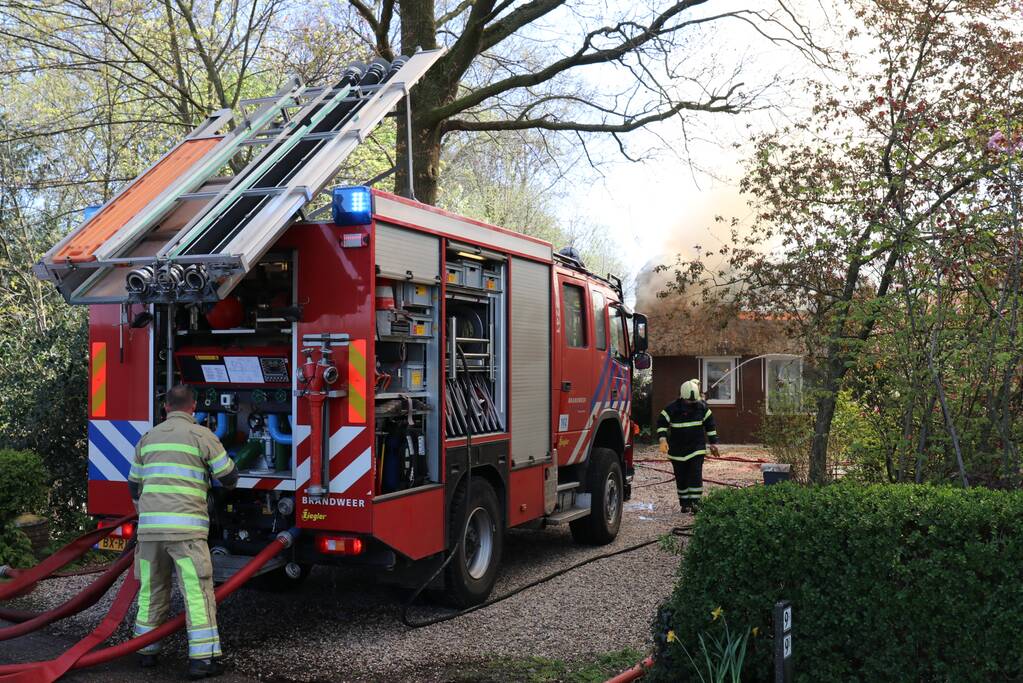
(690, 391)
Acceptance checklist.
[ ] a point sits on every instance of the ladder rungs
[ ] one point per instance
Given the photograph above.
(254, 192)
(310, 93)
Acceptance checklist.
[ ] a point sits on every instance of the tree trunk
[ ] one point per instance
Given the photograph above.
(921, 447)
(822, 429)
(425, 160)
(419, 30)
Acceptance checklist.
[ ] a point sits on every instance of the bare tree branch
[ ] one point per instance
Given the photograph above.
(717, 104)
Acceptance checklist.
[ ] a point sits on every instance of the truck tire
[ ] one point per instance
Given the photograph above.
(477, 538)
(604, 478)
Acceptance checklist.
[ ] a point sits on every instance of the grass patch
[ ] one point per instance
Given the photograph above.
(595, 669)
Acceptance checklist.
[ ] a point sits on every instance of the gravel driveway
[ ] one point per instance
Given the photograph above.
(341, 626)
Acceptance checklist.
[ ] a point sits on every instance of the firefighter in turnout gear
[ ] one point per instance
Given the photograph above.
(686, 430)
(169, 483)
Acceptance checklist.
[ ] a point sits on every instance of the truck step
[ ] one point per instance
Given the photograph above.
(568, 486)
(225, 566)
(569, 515)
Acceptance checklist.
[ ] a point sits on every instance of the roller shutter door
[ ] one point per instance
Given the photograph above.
(531, 360)
(400, 251)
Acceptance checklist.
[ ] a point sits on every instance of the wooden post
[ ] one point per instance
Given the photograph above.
(783, 642)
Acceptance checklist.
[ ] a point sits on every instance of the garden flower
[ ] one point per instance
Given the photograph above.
(716, 613)
(671, 637)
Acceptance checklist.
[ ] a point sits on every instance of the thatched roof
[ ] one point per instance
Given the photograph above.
(678, 329)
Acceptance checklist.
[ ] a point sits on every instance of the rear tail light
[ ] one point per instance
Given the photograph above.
(126, 530)
(339, 545)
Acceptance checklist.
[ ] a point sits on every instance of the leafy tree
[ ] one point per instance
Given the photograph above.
(876, 209)
(42, 340)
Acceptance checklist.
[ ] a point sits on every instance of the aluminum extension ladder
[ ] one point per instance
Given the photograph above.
(179, 219)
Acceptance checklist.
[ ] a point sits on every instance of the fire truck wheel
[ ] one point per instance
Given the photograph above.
(605, 486)
(476, 522)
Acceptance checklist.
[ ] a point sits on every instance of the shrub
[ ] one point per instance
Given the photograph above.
(887, 582)
(43, 403)
(15, 548)
(23, 483)
(854, 443)
(787, 437)
(23, 487)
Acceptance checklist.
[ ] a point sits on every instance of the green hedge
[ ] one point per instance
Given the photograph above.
(888, 583)
(23, 487)
(23, 483)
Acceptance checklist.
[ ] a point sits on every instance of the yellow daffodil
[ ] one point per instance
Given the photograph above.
(756, 631)
(716, 613)
(671, 637)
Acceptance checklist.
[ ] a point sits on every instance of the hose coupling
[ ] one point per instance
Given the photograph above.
(287, 538)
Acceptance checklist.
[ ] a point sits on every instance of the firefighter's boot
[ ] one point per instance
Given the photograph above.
(204, 668)
(147, 661)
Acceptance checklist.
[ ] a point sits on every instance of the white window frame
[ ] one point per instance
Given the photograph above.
(704, 384)
(767, 382)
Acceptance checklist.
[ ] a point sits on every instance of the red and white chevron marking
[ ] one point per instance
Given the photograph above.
(342, 477)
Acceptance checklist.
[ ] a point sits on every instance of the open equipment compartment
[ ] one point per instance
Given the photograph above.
(475, 348)
(407, 372)
(238, 354)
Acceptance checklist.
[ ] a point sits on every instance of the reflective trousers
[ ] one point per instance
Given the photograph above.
(155, 561)
(689, 480)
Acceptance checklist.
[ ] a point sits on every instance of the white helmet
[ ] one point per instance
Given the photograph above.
(690, 391)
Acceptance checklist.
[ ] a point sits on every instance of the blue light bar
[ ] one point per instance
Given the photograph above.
(352, 205)
(90, 211)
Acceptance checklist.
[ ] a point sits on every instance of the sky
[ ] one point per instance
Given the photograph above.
(658, 208)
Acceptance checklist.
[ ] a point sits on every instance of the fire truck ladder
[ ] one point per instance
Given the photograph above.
(224, 226)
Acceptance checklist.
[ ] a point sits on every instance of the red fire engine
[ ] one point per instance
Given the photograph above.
(399, 382)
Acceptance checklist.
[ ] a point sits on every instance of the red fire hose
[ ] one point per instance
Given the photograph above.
(24, 579)
(49, 671)
(76, 657)
(635, 672)
(87, 598)
(709, 481)
(731, 458)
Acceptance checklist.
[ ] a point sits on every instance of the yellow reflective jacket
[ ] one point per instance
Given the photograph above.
(170, 477)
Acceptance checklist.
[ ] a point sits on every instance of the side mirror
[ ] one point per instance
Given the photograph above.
(642, 361)
(639, 340)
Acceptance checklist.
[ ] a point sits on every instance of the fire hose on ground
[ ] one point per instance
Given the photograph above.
(83, 600)
(81, 654)
(634, 673)
(24, 580)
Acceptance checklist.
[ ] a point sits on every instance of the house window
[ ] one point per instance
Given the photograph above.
(783, 383)
(718, 380)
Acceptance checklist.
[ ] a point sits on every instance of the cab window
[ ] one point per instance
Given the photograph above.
(572, 300)
(599, 321)
(619, 339)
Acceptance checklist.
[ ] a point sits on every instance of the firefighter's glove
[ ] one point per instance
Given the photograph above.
(663, 448)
